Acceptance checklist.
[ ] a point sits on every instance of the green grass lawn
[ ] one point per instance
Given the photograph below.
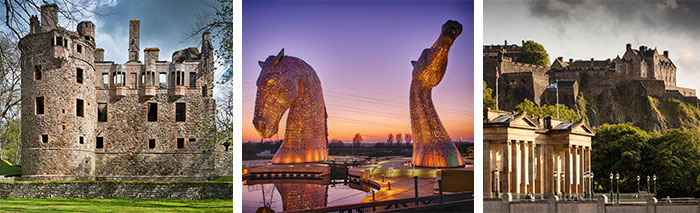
(114, 205)
(6, 168)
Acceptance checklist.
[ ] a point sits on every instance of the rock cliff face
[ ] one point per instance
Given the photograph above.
(652, 113)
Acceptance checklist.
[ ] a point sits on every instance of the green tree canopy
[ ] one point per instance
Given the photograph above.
(489, 102)
(547, 110)
(673, 156)
(533, 53)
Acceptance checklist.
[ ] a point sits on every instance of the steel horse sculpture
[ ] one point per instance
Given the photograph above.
(432, 146)
(287, 82)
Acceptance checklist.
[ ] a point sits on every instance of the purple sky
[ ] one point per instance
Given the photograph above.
(361, 51)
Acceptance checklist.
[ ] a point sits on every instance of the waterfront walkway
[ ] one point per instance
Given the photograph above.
(401, 188)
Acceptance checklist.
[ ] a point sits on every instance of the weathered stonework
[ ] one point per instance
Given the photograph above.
(127, 145)
(131, 190)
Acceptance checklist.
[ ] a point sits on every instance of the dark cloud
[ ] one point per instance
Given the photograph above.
(680, 16)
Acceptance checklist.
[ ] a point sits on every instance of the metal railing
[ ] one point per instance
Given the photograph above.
(430, 203)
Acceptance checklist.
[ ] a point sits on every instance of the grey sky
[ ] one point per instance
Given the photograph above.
(584, 29)
(164, 25)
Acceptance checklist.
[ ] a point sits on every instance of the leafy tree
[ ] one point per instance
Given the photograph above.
(675, 160)
(618, 148)
(533, 53)
(489, 102)
(547, 110)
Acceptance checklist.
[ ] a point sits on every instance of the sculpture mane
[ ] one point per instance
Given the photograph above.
(287, 82)
(432, 146)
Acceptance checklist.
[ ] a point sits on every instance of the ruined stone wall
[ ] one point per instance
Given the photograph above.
(127, 132)
(62, 156)
(132, 190)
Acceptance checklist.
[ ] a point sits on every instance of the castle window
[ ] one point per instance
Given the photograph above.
(105, 80)
(180, 143)
(79, 48)
(180, 112)
(99, 142)
(79, 107)
(119, 78)
(59, 41)
(101, 112)
(180, 78)
(44, 138)
(81, 140)
(192, 140)
(193, 80)
(151, 143)
(37, 72)
(163, 80)
(152, 112)
(79, 76)
(39, 105)
(204, 91)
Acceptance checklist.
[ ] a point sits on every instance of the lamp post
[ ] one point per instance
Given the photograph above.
(592, 192)
(498, 187)
(648, 184)
(654, 185)
(638, 178)
(555, 183)
(611, 185)
(617, 182)
(563, 181)
(585, 184)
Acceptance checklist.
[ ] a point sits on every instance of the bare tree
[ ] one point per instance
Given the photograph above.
(356, 142)
(399, 138)
(10, 78)
(218, 19)
(18, 12)
(408, 138)
(390, 140)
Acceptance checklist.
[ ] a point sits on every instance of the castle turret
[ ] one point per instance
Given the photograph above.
(206, 76)
(58, 101)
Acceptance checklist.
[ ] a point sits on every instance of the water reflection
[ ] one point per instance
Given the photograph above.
(287, 195)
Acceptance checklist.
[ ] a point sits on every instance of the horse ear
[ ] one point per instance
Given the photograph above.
(279, 57)
(261, 64)
(413, 63)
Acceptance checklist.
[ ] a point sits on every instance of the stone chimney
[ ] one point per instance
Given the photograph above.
(666, 53)
(150, 55)
(34, 25)
(629, 46)
(571, 60)
(134, 26)
(560, 59)
(49, 17)
(548, 122)
(99, 54)
(506, 43)
(642, 49)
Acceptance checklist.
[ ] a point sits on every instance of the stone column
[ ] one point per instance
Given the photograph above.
(582, 170)
(540, 168)
(523, 167)
(488, 169)
(574, 170)
(515, 186)
(531, 166)
(588, 165)
(567, 169)
(506, 164)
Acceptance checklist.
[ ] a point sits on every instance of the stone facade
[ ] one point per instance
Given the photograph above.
(521, 153)
(105, 121)
(643, 66)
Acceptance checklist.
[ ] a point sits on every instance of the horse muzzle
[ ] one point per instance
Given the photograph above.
(265, 129)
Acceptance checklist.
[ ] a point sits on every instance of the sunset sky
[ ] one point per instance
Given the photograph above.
(361, 52)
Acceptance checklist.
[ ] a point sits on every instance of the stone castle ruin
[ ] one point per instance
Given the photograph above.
(639, 72)
(84, 118)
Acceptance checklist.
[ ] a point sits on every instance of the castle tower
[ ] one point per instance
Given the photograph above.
(58, 100)
(134, 30)
(207, 65)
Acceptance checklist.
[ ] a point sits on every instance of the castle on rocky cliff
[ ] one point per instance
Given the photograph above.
(639, 72)
(84, 118)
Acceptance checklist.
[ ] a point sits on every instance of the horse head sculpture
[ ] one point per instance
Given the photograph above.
(288, 83)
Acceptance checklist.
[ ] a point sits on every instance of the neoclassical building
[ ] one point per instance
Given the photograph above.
(539, 155)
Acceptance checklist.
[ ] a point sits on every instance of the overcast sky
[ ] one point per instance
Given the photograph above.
(585, 29)
(361, 51)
